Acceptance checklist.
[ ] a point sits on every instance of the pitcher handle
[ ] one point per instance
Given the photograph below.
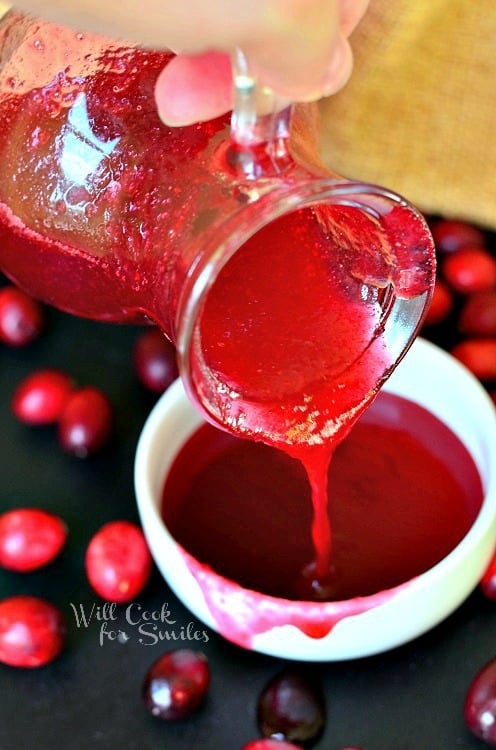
(259, 115)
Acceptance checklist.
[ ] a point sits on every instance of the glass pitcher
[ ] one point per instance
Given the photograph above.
(290, 293)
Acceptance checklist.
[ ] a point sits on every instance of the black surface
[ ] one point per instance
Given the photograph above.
(409, 699)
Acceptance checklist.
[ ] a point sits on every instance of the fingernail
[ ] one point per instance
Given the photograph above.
(339, 69)
(172, 122)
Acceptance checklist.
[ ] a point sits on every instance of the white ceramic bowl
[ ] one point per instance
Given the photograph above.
(361, 626)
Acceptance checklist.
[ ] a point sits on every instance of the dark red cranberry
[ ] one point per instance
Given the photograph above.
(480, 704)
(30, 538)
(40, 397)
(32, 631)
(154, 359)
(472, 269)
(86, 421)
(488, 580)
(292, 708)
(478, 355)
(21, 317)
(269, 744)
(451, 235)
(118, 562)
(478, 315)
(310, 585)
(176, 684)
(441, 304)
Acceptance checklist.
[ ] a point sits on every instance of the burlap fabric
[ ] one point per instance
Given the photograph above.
(419, 113)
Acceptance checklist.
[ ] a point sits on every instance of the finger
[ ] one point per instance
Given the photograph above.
(331, 74)
(194, 88)
(339, 69)
(295, 47)
(351, 13)
(193, 25)
(320, 60)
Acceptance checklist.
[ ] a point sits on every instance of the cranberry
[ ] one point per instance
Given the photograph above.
(472, 269)
(450, 235)
(480, 704)
(441, 304)
(479, 356)
(478, 315)
(488, 580)
(118, 562)
(269, 744)
(32, 631)
(313, 586)
(176, 684)
(30, 538)
(291, 708)
(85, 424)
(21, 317)
(154, 359)
(40, 397)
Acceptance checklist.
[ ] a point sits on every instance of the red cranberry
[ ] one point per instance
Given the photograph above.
(21, 317)
(472, 269)
(32, 631)
(291, 708)
(479, 356)
(478, 315)
(85, 424)
(118, 561)
(488, 580)
(30, 538)
(313, 586)
(176, 684)
(154, 359)
(40, 397)
(450, 235)
(441, 304)
(269, 744)
(480, 704)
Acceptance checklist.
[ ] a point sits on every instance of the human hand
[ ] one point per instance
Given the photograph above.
(299, 48)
